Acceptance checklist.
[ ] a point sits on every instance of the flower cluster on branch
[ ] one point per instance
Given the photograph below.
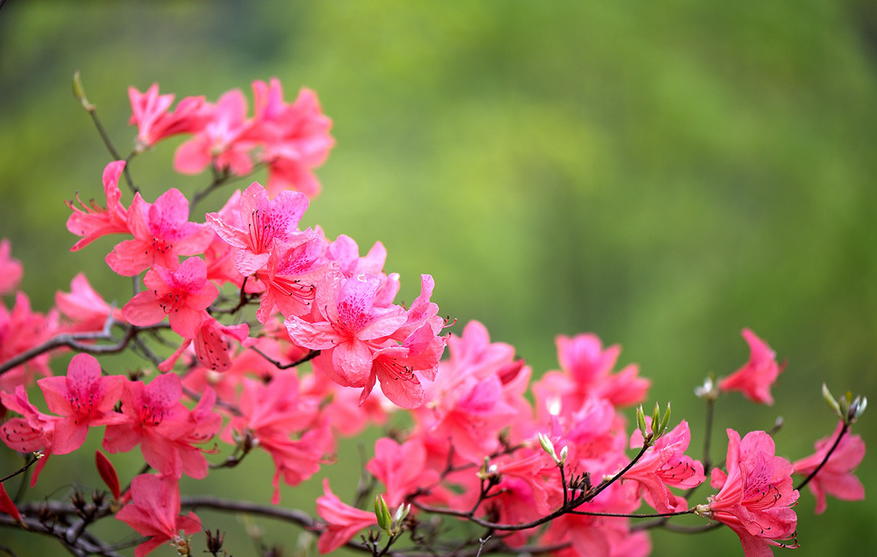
(281, 339)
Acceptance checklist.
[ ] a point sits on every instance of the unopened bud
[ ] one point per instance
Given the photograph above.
(708, 390)
(857, 408)
(79, 92)
(641, 423)
(401, 513)
(382, 513)
(548, 447)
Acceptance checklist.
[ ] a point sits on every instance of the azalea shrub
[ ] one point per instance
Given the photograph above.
(258, 335)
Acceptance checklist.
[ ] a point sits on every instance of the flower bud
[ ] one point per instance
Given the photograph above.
(382, 513)
(79, 92)
(548, 447)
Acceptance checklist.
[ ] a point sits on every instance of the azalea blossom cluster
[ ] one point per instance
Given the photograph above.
(259, 335)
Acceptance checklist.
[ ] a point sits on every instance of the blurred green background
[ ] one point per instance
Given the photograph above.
(660, 173)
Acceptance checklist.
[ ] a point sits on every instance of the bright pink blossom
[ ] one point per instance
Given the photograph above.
(149, 112)
(290, 277)
(265, 222)
(223, 139)
(154, 511)
(401, 468)
(162, 232)
(273, 413)
(83, 399)
(756, 377)
(342, 521)
(295, 137)
(587, 372)
(34, 432)
(163, 427)
(665, 464)
(182, 294)
(10, 269)
(756, 495)
(836, 476)
(397, 367)
(85, 309)
(350, 323)
(93, 221)
(20, 330)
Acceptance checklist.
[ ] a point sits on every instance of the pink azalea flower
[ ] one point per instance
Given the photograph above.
(401, 468)
(182, 294)
(34, 432)
(161, 425)
(345, 253)
(756, 377)
(469, 402)
(598, 536)
(290, 277)
(162, 232)
(10, 269)
(756, 495)
(83, 307)
(149, 112)
(20, 330)
(296, 137)
(836, 476)
(397, 367)
(83, 399)
(272, 413)
(222, 140)
(665, 464)
(587, 372)
(265, 221)
(350, 322)
(92, 222)
(342, 521)
(154, 511)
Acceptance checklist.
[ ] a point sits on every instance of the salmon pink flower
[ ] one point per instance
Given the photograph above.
(182, 294)
(83, 307)
(352, 326)
(162, 426)
(756, 377)
(34, 432)
(665, 464)
(295, 137)
(401, 468)
(836, 476)
(223, 139)
(265, 221)
(92, 222)
(397, 367)
(756, 495)
(83, 399)
(162, 232)
(290, 277)
(10, 269)
(271, 413)
(154, 511)
(149, 112)
(587, 372)
(342, 521)
(20, 330)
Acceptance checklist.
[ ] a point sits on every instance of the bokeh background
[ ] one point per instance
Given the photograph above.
(660, 173)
